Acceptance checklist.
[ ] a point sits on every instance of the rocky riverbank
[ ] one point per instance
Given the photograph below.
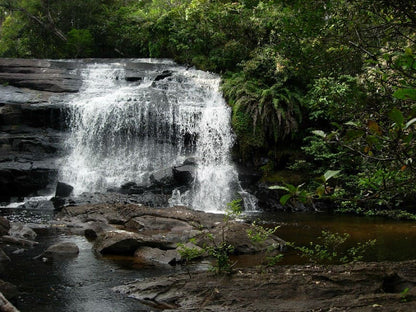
(150, 236)
(357, 287)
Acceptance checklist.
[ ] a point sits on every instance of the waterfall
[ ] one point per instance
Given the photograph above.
(132, 119)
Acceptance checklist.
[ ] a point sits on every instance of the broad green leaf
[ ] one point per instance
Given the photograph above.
(278, 187)
(285, 198)
(405, 94)
(330, 174)
(319, 133)
(396, 116)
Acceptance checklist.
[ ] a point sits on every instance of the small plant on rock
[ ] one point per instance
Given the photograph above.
(221, 250)
(189, 253)
(259, 234)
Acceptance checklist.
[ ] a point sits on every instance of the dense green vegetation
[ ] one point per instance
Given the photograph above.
(314, 85)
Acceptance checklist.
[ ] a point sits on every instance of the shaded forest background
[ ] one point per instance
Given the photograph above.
(323, 93)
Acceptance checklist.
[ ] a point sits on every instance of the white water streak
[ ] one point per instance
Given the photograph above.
(122, 132)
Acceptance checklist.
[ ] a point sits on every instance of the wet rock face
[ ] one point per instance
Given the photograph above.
(32, 118)
(40, 75)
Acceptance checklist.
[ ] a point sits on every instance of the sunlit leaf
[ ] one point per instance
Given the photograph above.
(330, 174)
(410, 122)
(278, 187)
(352, 123)
(319, 133)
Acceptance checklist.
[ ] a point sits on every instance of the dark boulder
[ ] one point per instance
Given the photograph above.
(8, 289)
(22, 180)
(4, 226)
(58, 203)
(132, 188)
(64, 249)
(184, 175)
(133, 76)
(162, 177)
(157, 256)
(118, 242)
(190, 161)
(63, 189)
(248, 176)
(163, 75)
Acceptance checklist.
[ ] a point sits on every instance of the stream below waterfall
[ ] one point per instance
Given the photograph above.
(135, 131)
(84, 283)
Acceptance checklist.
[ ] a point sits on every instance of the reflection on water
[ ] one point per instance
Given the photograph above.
(77, 284)
(395, 239)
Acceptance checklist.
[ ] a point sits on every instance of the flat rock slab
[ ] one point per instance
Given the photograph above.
(136, 226)
(63, 249)
(157, 256)
(123, 213)
(44, 75)
(359, 287)
(121, 242)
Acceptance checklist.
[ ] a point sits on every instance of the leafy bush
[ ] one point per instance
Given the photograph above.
(329, 249)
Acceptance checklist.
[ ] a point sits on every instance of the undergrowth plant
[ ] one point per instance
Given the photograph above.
(258, 234)
(330, 248)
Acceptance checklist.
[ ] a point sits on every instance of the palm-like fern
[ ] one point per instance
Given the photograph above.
(275, 110)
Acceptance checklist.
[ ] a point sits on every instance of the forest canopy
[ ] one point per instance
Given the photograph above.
(314, 85)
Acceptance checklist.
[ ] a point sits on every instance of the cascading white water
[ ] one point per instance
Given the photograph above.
(122, 131)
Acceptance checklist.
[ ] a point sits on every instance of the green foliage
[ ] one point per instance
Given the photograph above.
(344, 72)
(233, 210)
(12, 44)
(189, 253)
(328, 94)
(221, 252)
(404, 294)
(258, 234)
(294, 194)
(329, 249)
(80, 43)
